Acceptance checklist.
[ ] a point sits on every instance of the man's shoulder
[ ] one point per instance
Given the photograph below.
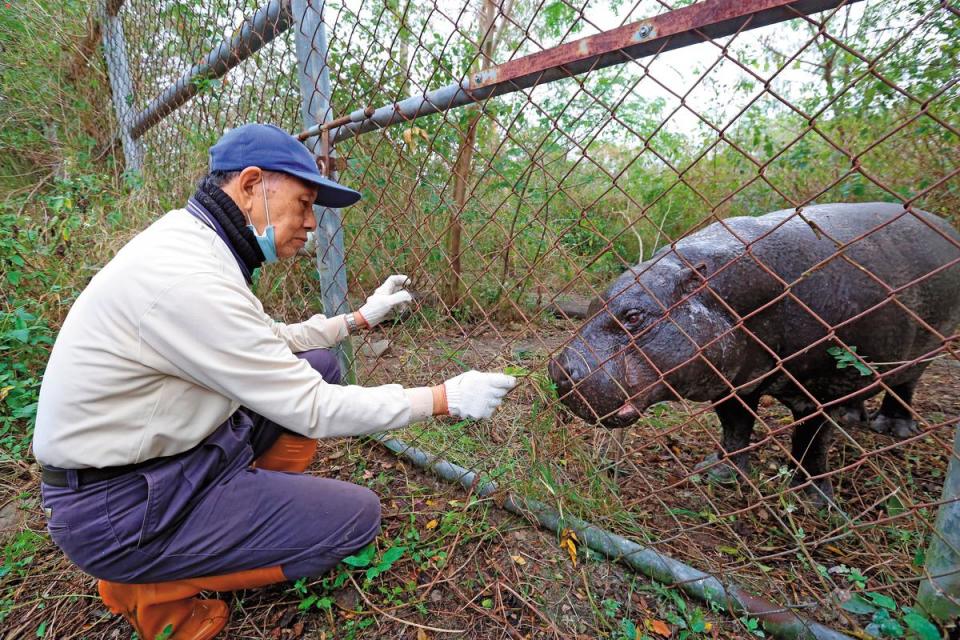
(175, 243)
(175, 248)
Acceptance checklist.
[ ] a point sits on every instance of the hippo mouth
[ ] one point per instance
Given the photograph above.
(625, 416)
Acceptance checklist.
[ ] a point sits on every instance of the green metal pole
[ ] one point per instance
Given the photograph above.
(939, 593)
(779, 621)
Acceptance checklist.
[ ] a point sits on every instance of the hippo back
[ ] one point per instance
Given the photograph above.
(879, 276)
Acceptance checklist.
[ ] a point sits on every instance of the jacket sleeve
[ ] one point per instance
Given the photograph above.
(319, 332)
(212, 333)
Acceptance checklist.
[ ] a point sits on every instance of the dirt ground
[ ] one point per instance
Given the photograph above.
(641, 482)
(451, 565)
(480, 572)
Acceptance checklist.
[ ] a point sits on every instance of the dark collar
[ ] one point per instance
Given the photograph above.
(230, 224)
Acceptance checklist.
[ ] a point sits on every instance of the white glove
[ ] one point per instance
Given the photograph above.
(309, 248)
(475, 395)
(387, 296)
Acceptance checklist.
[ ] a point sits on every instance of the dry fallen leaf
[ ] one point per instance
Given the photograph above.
(658, 627)
(432, 524)
(422, 635)
(519, 560)
(569, 541)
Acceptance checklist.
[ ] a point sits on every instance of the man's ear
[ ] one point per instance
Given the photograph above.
(691, 279)
(248, 187)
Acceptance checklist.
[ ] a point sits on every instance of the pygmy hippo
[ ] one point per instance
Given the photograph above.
(750, 306)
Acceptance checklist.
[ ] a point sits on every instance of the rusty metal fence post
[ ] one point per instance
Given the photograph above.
(121, 84)
(939, 593)
(314, 75)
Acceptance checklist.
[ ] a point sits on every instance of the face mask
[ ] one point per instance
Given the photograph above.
(267, 241)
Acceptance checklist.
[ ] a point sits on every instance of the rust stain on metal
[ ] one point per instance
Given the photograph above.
(680, 21)
(333, 124)
(484, 78)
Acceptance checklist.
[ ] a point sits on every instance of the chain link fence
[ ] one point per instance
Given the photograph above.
(516, 157)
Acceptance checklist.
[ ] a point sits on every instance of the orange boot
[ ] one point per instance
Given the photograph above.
(153, 608)
(288, 453)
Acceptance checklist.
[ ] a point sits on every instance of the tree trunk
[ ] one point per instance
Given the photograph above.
(461, 178)
(489, 35)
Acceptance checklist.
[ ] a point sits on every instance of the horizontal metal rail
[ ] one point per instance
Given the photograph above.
(267, 23)
(672, 30)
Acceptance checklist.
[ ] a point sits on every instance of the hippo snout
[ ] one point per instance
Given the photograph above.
(588, 387)
(566, 372)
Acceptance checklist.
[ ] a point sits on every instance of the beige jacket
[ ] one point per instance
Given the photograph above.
(167, 341)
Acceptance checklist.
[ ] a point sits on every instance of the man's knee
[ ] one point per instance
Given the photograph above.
(370, 515)
(366, 523)
(325, 362)
(362, 529)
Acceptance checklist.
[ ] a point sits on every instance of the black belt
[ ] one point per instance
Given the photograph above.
(56, 477)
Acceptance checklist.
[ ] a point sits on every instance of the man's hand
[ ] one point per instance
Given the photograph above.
(384, 299)
(476, 395)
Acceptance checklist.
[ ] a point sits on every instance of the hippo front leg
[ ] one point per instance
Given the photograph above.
(894, 417)
(737, 419)
(852, 416)
(811, 444)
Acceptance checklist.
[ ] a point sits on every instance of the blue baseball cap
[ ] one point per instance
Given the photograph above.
(273, 149)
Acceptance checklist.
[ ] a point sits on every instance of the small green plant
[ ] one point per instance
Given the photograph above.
(610, 607)
(516, 371)
(366, 558)
(889, 621)
(689, 622)
(166, 634)
(752, 625)
(627, 631)
(848, 358)
(19, 553)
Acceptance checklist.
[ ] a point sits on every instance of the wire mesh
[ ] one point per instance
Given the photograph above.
(514, 214)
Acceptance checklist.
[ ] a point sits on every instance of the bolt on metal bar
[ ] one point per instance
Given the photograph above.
(780, 621)
(267, 23)
(939, 594)
(672, 30)
(121, 84)
(314, 74)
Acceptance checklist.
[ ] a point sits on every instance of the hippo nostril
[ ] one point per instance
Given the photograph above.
(563, 375)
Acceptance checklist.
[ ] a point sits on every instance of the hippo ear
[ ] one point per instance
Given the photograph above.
(690, 279)
(596, 303)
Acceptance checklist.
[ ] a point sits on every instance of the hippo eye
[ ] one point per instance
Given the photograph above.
(632, 316)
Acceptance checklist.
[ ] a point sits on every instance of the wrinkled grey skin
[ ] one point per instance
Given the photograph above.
(669, 326)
